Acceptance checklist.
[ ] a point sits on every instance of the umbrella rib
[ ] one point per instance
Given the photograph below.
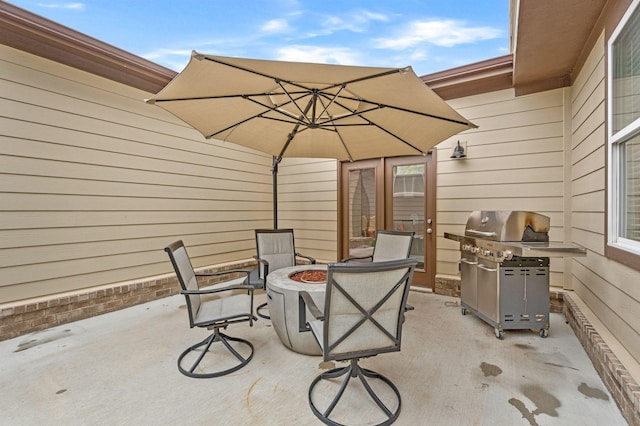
(378, 105)
(331, 99)
(395, 136)
(278, 80)
(261, 74)
(368, 77)
(344, 145)
(276, 109)
(304, 114)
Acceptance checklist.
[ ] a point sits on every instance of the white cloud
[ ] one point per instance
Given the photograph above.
(446, 33)
(72, 6)
(275, 26)
(356, 22)
(315, 54)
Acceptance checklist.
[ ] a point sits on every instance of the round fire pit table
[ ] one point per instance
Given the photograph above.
(282, 299)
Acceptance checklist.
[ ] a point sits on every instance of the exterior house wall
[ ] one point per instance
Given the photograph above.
(95, 183)
(514, 162)
(607, 288)
(308, 202)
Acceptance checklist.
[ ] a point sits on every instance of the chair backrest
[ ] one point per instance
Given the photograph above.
(277, 247)
(186, 276)
(392, 245)
(364, 308)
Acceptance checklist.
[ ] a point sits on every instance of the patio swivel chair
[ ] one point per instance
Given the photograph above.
(363, 316)
(275, 249)
(389, 245)
(224, 306)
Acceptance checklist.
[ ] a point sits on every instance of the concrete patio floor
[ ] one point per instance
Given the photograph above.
(120, 369)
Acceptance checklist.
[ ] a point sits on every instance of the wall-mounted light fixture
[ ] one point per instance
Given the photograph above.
(460, 150)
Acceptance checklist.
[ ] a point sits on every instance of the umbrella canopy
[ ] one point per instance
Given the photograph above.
(298, 109)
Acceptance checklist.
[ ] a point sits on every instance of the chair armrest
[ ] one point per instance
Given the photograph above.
(230, 271)
(310, 259)
(305, 301)
(219, 289)
(313, 308)
(265, 264)
(348, 259)
(249, 288)
(261, 260)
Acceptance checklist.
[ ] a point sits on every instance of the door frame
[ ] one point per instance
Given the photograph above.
(384, 187)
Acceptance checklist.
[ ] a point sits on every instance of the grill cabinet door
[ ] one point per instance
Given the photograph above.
(488, 289)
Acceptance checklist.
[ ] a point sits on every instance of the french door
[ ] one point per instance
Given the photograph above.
(390, 193)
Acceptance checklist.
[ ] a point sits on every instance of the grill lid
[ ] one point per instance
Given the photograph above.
(508, 225)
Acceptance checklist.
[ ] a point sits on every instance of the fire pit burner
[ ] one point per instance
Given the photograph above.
(310, 277)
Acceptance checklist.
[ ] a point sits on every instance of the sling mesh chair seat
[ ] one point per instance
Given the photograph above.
(363, 316)
(389, 245)
(275, 249)
(220, 308)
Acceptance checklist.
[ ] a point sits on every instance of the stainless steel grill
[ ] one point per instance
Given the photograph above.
(504, 268)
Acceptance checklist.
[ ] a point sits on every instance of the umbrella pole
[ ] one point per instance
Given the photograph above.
(274, 173)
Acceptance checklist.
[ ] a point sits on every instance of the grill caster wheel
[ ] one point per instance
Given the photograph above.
(499, 334)
(544, 333)
(463, 311)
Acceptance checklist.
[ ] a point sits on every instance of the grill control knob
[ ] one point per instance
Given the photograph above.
(507, 254)
(475, 249)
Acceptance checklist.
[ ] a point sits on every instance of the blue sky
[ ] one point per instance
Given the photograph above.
(429, 35)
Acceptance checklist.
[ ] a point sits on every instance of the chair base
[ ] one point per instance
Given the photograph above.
(354, 370)
(261, 315)
(213, 338)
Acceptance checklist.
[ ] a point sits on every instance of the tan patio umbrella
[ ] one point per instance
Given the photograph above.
(294, 109)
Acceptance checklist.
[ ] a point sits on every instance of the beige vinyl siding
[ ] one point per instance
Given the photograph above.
(94, 183)
(515, 161)
(307, 202)
(610, 289)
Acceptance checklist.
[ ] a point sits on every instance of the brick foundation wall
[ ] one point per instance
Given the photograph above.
(623, 387)
(29, 316)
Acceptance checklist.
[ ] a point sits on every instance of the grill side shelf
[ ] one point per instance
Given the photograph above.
(547, 249)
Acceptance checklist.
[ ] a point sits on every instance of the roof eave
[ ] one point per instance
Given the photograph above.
(31, 33)
(480, 77)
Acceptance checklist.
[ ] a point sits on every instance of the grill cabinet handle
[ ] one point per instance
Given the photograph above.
(481, 233)
(481, 266)
(468, 262)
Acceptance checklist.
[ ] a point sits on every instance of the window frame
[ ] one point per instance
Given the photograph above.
(621, 249)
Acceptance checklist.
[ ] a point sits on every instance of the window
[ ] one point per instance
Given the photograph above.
(624, 133)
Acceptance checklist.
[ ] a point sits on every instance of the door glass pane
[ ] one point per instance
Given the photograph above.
(362, 212)
(408, 205)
